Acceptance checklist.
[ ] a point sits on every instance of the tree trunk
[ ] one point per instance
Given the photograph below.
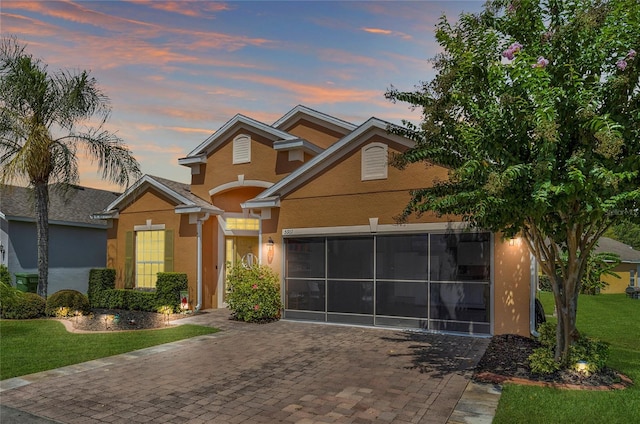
(41, 191)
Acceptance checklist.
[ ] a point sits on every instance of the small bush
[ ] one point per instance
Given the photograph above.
(65, 303)
(5, 276)
(544, 283)
(254, 293)
(542, 361)
(168, 289)
(547, 333)
(594, 352)
(22, 306)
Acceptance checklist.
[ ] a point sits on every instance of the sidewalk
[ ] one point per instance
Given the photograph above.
(279, 372)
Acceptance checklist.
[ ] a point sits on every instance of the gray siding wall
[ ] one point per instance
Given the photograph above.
(73, 251)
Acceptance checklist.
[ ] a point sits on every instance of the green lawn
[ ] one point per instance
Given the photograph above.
(614, 318)
(37, 345)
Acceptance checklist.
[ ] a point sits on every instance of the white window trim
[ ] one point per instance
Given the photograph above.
(242, 149)
(373, 167)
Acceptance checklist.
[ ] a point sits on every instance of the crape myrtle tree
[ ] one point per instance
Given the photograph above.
(45, 117)
(535, 110)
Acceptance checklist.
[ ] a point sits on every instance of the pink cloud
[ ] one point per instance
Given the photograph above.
(387, 32)
(185, 7)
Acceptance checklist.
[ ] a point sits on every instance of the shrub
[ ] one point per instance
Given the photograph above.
(133, 300)
(22, 306)
(5, 276)
(100, 279)
(542, 361)
(254, 293)
(65, 303)
(168, 289)
(544, 283)
(591, 351)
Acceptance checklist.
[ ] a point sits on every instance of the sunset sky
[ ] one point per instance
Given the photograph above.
(176, 71)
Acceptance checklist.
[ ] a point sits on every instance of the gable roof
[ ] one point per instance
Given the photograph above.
(271, 196)
(301, 111)
(72, 208)
(627, 253)
(218, 137)
(178, 192)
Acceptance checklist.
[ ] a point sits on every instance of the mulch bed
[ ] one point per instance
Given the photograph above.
(506, 361)
(120, 320)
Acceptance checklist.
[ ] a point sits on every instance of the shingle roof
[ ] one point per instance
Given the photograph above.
(183, 190)
(75, 206)
(626, 252)
(179, 192)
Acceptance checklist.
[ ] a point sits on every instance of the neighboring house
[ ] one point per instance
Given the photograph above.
(629, 267)
(77, 243)
(313, 197)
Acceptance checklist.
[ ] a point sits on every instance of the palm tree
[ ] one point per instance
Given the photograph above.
(45, 117)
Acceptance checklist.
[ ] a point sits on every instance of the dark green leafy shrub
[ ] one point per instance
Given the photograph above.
(22, 306)
(594, 352)
(542, 361)
(67, 303)
(168, 289)
(5, 276)
(132, 300)
(254, 293)
(591, 351)
(547, 337)
(544, 283)
(100, 279)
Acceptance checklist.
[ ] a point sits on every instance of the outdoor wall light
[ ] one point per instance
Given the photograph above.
(270, 246)
(2, 250)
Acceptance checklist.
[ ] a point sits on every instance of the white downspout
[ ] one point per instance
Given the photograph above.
(532, 298)
(199, 222)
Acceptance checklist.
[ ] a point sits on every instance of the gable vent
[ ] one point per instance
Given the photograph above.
(242, 149)
(374, 161)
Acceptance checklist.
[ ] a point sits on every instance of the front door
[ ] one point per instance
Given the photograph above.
(240, 249)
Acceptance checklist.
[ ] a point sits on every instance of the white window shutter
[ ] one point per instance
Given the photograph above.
(374, 161)
(242, 149)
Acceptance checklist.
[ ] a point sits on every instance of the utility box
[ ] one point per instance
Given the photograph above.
(27, 282)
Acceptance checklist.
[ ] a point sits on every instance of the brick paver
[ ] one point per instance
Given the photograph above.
(287, 372)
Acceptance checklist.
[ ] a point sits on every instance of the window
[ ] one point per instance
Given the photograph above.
(374, 161)
(249, 224)
(149, 257)
(242, 149)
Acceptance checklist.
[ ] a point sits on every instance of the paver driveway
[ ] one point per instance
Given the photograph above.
(278, 372)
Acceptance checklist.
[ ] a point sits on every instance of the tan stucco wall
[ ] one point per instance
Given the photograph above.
(512, 270)
(315, 134)
(152, 205)
(220, 169)
(619, 285)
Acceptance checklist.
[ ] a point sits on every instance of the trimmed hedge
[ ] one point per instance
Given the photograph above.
(168, 289)
(23, 306)
(132, 300)
(65, 303)
(100, 279)
(103, 294)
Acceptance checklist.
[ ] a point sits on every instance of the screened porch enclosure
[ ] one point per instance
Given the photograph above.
(436, 281)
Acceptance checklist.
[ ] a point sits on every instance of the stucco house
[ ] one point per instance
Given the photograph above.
(313, 197)
(628, 269)
(77, 242)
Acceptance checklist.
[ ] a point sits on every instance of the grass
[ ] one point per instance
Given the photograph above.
(610, 317)
(29, 346)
